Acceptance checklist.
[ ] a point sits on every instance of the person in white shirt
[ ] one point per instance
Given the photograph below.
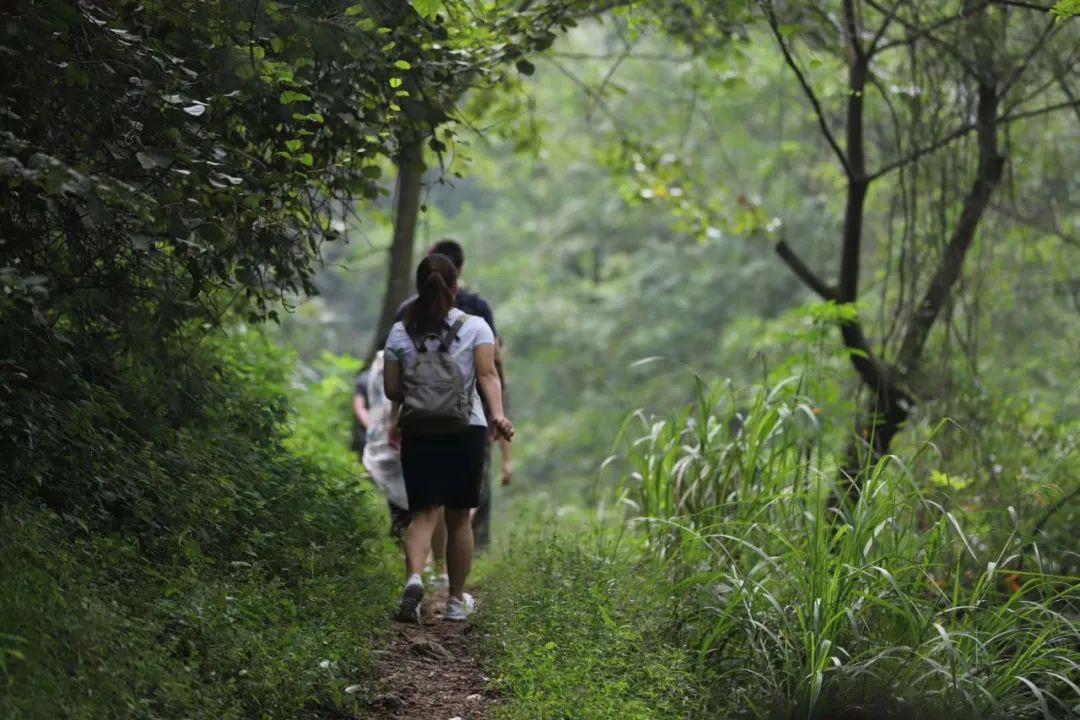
(444, 470)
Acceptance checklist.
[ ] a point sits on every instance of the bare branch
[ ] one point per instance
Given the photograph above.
(872, 47)
(852, 30)
(926, 30)
(966, 130)
(803, 272)
(809, 91)
(632, 56)
(925, 150)
(1025, 5)
(1040, 111)
(1041, 42)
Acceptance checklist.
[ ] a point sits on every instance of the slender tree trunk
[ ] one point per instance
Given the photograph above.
(400, 267)
(889, 406)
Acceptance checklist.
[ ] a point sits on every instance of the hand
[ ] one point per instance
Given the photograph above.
(507, 473)
(394, 437)
(502, 427)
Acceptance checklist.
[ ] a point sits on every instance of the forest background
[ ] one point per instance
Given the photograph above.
(790, 301)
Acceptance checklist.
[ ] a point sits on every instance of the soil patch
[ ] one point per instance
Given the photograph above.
(430, 671)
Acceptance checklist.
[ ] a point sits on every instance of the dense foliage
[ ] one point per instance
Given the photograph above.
(232, 569)
(184, 533)
(175, 543)
(909, 599)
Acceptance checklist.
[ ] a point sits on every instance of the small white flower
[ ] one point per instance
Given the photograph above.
(324, 664)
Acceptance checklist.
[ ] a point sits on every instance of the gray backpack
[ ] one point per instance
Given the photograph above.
(437, 398)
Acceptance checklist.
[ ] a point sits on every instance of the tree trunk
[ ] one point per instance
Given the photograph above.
(889, 407)
(400, 267)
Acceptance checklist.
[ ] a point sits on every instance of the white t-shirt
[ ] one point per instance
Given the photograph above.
(473, 333)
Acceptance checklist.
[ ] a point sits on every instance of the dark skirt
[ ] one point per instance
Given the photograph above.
(444, 469)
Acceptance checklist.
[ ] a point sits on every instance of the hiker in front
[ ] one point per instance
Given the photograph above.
(436, 360)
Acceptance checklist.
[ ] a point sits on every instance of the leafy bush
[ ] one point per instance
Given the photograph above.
(214, 569)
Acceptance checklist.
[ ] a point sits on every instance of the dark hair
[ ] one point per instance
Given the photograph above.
(435, 279)
(451, 249)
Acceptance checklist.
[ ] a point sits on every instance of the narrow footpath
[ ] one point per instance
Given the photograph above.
(430, 671)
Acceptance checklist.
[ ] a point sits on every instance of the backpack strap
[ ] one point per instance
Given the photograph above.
(451, 335)
(420, 340)
(445, 340)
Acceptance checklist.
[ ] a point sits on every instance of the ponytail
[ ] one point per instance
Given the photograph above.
(435, 278)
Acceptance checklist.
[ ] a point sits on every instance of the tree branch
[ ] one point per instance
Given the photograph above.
(1040, 111)
(988, 175)
(1026, 5)
(1060, 503)
(919, 32)
(872, 47)
(770, 16)
(966, 130)
(1040, 43)
(811, 279)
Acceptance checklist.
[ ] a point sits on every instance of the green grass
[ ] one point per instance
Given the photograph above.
(731, 588)
(576, 629)
(234, 567)
(803, 610)
(100, 630)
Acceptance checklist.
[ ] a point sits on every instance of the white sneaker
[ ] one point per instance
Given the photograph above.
(458, 610)
(409, 609)
(442, 582)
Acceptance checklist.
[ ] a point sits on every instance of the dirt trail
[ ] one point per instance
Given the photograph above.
(430, 671)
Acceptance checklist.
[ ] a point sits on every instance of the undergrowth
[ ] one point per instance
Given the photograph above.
(735, 585)
(227, 566)
(576, 629)
(901, 603)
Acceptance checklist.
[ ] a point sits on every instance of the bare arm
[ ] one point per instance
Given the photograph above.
(393, 390)
(392, 379)
(360, 407)
(507, 466)
(504, 444)
(487, 378)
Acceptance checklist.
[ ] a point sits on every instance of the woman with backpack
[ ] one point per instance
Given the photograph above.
(436, 360)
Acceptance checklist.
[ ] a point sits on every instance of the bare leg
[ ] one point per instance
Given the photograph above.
(438, 544)
(418, 538)
(459, 556)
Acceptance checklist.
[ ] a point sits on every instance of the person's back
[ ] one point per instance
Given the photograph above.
(468, 332)
(442, 467)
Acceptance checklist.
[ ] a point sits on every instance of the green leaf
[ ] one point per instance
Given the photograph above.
(525, 67)
(427, 8)
(306, 159)
(1066, 9)
(293, 145)
(356, 9)
(402, 65)
(395, 82)
(290, 96)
